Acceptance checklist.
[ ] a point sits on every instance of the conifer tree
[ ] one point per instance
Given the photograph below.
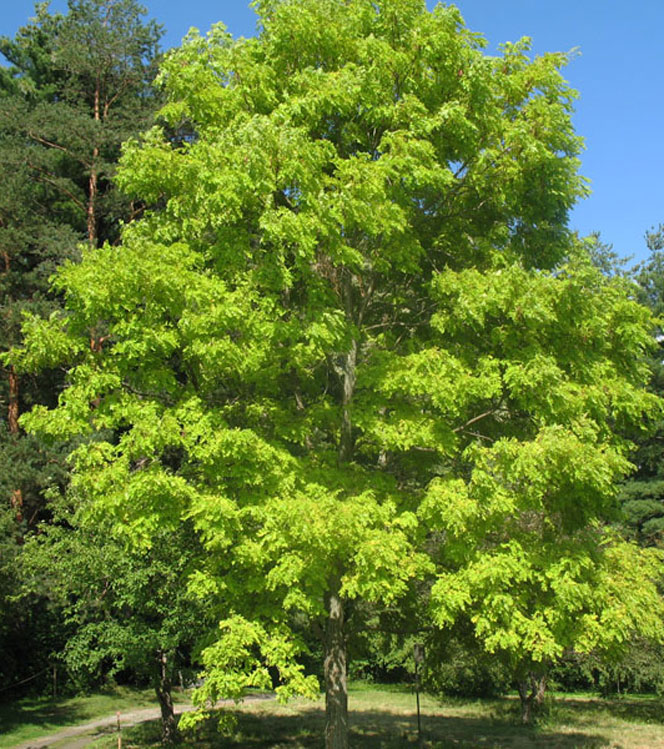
(76, 86)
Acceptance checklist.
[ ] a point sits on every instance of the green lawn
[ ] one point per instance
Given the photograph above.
(30, 718)
(384, 718)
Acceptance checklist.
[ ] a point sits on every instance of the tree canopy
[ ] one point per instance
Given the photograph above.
(354, 341)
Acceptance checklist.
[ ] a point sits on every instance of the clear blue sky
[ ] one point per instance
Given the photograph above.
(619, 74)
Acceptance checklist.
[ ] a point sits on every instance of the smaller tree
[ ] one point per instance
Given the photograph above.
(126, 606)
(527, 556)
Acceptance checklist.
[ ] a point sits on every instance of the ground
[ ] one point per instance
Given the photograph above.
(385, 718)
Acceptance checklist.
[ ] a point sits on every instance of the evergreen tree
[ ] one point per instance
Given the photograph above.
(643, 494)
(76, 86)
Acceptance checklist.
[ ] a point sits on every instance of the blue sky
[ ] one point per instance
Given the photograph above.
(619, 74)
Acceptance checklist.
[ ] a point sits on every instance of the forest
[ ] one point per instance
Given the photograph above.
(306, 381)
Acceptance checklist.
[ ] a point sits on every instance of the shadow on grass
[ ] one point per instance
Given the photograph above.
(629, 710)
(38, 712)
(38, 716)
(374, 730)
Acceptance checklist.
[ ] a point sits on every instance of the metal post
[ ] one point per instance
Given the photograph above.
(418, 656)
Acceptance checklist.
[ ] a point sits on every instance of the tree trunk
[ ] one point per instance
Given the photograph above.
(12, 415)
(347, 371)
(336, 686)
(348, 378)
(16, 499)
(169, 726)
(94, 178)
(92, 198)
(532, 689)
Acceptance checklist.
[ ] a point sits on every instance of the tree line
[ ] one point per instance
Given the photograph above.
(304, 364)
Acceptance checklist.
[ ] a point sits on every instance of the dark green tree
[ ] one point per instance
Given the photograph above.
(79, 85)
(643, 495)
(75, 87)
(125, 607)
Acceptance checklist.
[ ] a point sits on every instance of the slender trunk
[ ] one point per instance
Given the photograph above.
(347, 371)
(526, 702)
(92, 198)
(94, 178)
(540, 683)
(348, 378)
(13, 412)
(336, 686)
(169, 726)
(16, 497)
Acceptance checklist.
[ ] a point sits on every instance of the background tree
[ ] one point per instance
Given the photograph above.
(82, 84)
(78, 85)
(57, 155)
(124, 608)
(315, 347)
(643, 495)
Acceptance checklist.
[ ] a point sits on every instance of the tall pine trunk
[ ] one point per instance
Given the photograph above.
(93, 180)
(336, 682)
(16, 498)
(169, 726)
(13, 412)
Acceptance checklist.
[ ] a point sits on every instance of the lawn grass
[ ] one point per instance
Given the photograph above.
(385, 718)
(30, 718)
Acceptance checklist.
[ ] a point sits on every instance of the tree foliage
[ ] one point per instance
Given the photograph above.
(346, 343)
(76, 85)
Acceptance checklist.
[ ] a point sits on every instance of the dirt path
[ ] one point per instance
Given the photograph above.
(78, 737)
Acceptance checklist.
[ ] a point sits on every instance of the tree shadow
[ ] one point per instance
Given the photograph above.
(45, 715)
(39, 712)
(630, 710)
(385, 730)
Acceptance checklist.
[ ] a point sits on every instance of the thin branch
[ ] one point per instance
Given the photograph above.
(478, 435)
(57, 146)
(475, 419)
(48, 178)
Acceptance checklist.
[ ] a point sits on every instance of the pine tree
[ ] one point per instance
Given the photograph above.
(76, 86)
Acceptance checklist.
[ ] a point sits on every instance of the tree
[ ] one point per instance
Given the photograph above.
(525, 552)
(57, 155)
(308, 344)
(643, 495)
(79, 85)
(125, 608)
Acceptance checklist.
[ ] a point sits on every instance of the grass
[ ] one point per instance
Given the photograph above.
(385, 718)
(30, 718)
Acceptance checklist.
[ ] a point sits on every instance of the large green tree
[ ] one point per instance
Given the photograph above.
(346, 317)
